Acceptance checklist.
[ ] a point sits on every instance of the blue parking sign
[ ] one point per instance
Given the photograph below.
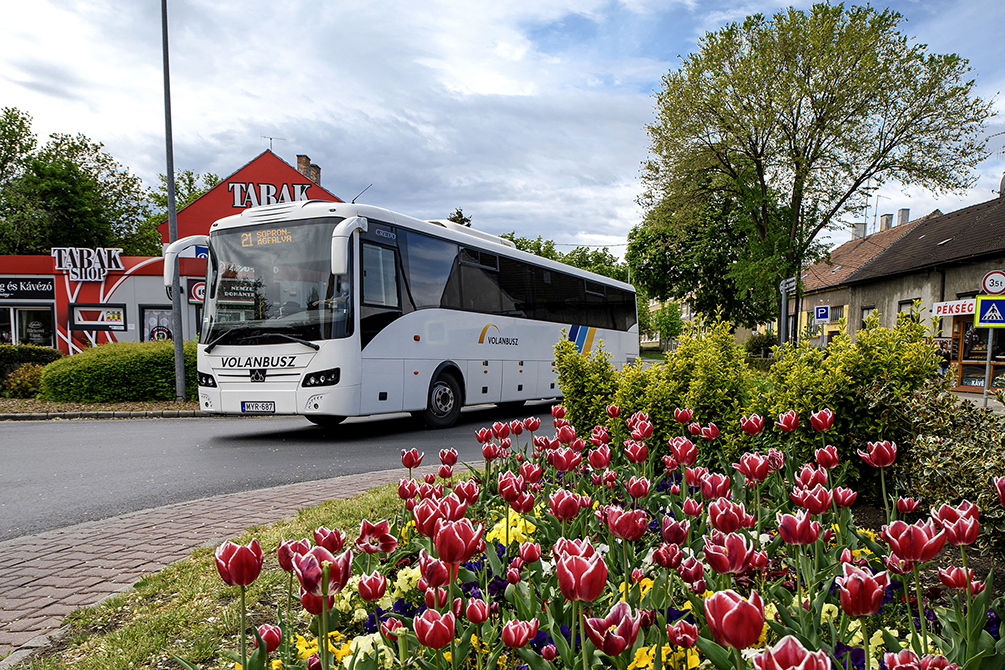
(822, 313)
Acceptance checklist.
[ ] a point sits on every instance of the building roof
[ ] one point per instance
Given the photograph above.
(963, 236)
(851, 256)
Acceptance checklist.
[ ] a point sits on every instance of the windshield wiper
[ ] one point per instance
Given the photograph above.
(223, 336)
(284, 336)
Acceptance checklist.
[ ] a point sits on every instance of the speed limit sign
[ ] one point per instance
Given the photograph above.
(993, 282)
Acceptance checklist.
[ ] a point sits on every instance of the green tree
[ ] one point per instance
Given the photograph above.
(790, 117)
(668, 323)
(188, 186)
(17, 144)
(458, 217)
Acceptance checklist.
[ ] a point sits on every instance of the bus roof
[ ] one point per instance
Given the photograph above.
(309, 209)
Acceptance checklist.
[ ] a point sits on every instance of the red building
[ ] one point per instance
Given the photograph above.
(78, 297)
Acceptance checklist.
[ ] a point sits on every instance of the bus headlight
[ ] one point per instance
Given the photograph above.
(206, 380)
(322, 378)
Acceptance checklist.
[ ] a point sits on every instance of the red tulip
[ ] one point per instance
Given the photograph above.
(628, 525)
(372, 587)
(516, 634)
(548, 651)
(433, 629)
(955, 577)
(675, 532)
(638, 487)
(668, 556)
(788, 421)
(798, 529)
(730, 553)
(565, 460)
(452, 507)
(682, 634)
(531, 423)
(615, 632)
(331, 539)
(920, 542)
(287, 550)
(694, 428)
(425, 515)
(636, 452)
(844, 497)
(388, 628)
(565, 547)
(429, 478)
(822, 420)
(692, 507)
(426, 491)
(827, 457)
(375, 537)
(564, 504)
(271, 636)
(313, 604)
(691, 570)
(566, 434)
(670, 463)
(434, 571)
(880, 454)
(477, 611)
(861, 591)
(448, 457)
(613, 411)
(483, 435)
(906, 659)
(436, 598)
(959, 523)
(710, 432)
(776, 459)
(239, 564)
(643, 430)
(898, 565)
(558, 412)
(309, 569)
(491, 451)
(790, 654)
(411, 458)
(999, 483)
(524, 504)
(407, 488)
(468, 491)
(531, 472)
(516, 427)
(682, 415)
(809, 476)
(456, 541)
(753, 466)
(684, 451)
(581, 577)
(693, 477)
(445, 472)
(728, 517)
(752, 425)
(816, 500)
(733, 621)
(600, 435)
(905, 505)
(530, 552)
(510, 485)
(716, 485)
(600, 457)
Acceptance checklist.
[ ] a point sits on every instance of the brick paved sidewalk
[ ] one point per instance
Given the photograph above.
(45, 577)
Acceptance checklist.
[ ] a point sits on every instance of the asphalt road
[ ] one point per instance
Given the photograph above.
(59, 473)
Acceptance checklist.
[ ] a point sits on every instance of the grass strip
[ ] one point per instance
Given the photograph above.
(186, 609)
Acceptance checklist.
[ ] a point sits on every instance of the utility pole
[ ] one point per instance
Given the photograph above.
(177, 334)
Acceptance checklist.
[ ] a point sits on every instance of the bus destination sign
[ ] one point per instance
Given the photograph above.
(262, 237)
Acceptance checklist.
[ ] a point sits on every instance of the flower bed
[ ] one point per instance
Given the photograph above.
(566, 551)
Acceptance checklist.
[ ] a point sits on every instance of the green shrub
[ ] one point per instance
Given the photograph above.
(122, 371)
(760, 341)
(589, 386)
(13, 356)
(759, 364)
(24, 382)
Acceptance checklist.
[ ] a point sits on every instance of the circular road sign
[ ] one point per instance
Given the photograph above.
(993, 282)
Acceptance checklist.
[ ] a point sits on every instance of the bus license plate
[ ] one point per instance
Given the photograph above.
(259, 407)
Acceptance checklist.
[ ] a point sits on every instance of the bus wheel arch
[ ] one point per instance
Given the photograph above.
(445, 397)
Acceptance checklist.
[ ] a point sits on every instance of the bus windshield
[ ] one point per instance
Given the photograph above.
(272, 283)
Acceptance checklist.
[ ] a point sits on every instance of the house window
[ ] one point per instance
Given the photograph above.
(905, 306)
(837, 313)
(866, 311)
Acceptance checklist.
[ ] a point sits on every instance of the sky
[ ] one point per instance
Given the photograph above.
(530, 116)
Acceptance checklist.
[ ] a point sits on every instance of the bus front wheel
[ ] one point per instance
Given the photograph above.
(325, 420)
(443, 407)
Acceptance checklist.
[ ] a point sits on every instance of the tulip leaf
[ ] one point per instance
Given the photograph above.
(494, 658)
(533, 659)
(185, 664)
(718, 655)
(494, 563)
(889, 640)
(465, 644)
(561, 645)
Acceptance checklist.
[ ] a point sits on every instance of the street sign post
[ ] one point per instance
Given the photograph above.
(989, 313)
(993, 282)
(821, 314)
(786, 286)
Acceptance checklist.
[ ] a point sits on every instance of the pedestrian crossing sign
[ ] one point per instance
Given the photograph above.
(989, 312)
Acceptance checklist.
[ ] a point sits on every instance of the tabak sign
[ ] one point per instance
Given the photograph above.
(87, 264)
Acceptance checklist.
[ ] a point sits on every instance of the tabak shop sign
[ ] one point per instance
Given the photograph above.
(87, 264)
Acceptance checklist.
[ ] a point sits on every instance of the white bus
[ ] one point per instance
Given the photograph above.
(332, 310)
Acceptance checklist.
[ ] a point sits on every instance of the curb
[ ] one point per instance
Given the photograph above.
(43, 416)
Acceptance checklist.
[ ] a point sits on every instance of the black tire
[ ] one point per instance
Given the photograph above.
(443, 405)
(325, 420)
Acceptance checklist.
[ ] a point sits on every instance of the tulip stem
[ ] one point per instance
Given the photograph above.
(288, 633)
(886, 503)
(921, 613)
(865, 641)
(736, 653)
(970, 596)
(323, 624)
(244, 631)
(624, 555)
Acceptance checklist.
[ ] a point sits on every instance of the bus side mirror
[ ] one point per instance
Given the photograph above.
(340, 243)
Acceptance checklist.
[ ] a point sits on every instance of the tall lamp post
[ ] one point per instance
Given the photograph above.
(176, 323)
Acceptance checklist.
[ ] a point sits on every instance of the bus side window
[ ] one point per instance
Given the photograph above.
(380, 276)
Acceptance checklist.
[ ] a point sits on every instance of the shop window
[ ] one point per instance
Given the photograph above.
(6, 326)
(35, 326)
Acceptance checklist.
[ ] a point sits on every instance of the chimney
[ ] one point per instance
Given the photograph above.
(903, 215)
(308, 169)
(314, 173)
(859, 232)
(885, 222)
